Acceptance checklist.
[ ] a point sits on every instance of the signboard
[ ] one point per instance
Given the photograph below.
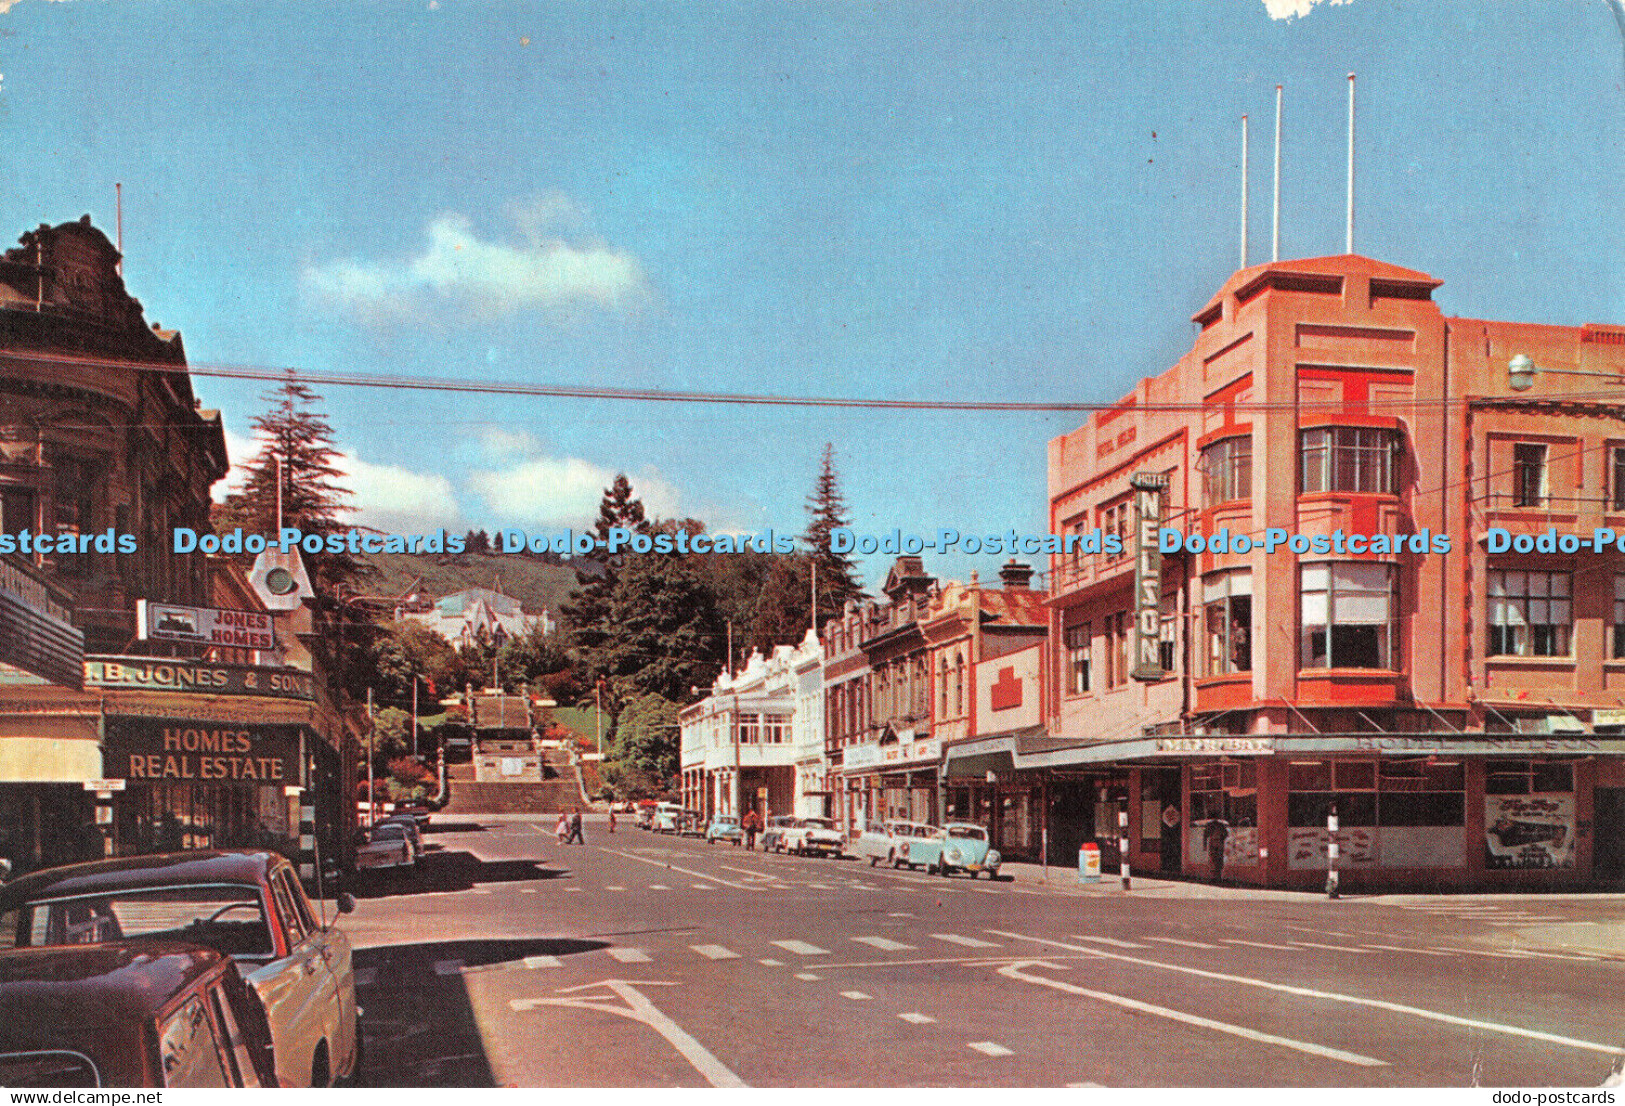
(1608, 716)
(156, 674)
(1529, 831)
(1148, 488)
(859, 757)
(1216, 746)
(201, 752)
(104, 785)
(35, 634)
(204, 626)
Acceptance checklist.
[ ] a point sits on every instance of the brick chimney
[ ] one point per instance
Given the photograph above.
(1016, 576)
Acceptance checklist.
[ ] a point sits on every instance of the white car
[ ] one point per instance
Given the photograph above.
(668, 819)
(887, 842)
(809, 836)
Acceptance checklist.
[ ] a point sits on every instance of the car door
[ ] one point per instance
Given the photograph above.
(334, 947)
(296, 989)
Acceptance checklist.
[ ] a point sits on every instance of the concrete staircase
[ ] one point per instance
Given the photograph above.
(560, 792)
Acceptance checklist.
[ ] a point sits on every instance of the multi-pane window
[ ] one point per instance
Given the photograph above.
(1619, 618)
(1227, 470)
(1529, 474)
(1227, 619)
(1077, 659)
(1528, 777)
(1117, 651)
(1616, 482)
(1530, 613)
(1167, 633)
(1114, 521)
(1349, 459)
(1348, 615)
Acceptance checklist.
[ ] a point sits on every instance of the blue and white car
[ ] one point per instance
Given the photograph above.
(956, 847)
(724, 827)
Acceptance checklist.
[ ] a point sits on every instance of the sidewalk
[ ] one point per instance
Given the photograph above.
(1066, 881)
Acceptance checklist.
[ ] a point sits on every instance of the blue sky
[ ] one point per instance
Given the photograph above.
(1015, 200)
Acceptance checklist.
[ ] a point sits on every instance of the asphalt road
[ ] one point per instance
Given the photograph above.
(643, 960)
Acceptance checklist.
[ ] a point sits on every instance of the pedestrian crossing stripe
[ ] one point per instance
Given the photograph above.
(884, 944)
(968, 942)
(990, 1048)
(629, 956)
(801, 948)
(715, 952)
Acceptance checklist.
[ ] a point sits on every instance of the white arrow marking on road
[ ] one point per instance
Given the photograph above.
(884, 944)
(801, 948)
(1014, 971)
(968, 942)
(1187, 944)
(640, 1009)
(543, 962)
(1333, 996)
(918, 1019)
(715, 952)
(629, 956)
(1106, 941)
(989, 1048)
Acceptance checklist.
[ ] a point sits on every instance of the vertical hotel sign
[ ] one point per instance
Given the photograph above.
(1148, 488)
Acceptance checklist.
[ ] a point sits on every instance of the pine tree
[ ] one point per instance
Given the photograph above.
(588, 613)
(837, 575)
(297, 441)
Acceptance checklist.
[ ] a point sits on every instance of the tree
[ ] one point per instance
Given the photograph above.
(643, 758)
(401, 651)
(836, 574)
(297, 443)
(665, 632)
(588, 612)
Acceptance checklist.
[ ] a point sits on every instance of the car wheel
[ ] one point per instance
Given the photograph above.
(320, 1073)
(891, 858)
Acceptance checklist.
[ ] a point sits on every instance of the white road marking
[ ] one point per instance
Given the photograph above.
(856, 996)
(658, 887)
(1554, 955)
(821, 886)
(1014, 972)
(532, 890)
(1483, 952)
(771, 963)
(918, 1019)
(577, 890)
(801, 948)
(447, 967)
(715, 952)
(614, 888)
(968, 942)
(1187, 944)
(989, 1048)
(808, 976)
(640, 1009)
(899, 914)
(702, 887)
(1255, 944)
(629, 956)
(884, 944)
(1106, 941)
(1332, 996)
(481, 891)
(1333, 948)
(543, 962)
(1399, 948)
(675, 868)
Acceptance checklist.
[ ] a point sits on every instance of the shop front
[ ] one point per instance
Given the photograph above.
(896, 779)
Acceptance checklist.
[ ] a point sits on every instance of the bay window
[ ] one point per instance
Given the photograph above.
(1227, 620)
(1349, 459)
(1348, 615)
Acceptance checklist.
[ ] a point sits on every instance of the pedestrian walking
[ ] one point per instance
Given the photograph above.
(611, 817)
(563, 828)
(575, 829)
(1218, 832)
(750, 824)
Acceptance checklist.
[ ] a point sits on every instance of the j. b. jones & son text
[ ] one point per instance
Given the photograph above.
(199, 754)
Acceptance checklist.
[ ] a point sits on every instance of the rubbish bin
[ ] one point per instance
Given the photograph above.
(1088, 862)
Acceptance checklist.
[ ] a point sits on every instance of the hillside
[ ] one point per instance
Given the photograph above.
(532, 582)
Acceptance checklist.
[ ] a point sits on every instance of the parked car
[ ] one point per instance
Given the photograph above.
(881, 842)
(956, 847)
(140, 1014)
(419, 811)
(247, 905)
(386, 847)
(413, 833)
(724, 827)
(668, 818)
(693, 824)
(772, 839)
(810, 836)
(646, 815)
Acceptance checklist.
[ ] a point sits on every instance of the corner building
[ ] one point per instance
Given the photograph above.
(1459, 708)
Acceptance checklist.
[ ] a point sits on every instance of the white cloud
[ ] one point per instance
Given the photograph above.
(1296, 9)
(501, 444)
(397, 500)
(561, 492)
(549, 267)
(7, 5)
(239, 451)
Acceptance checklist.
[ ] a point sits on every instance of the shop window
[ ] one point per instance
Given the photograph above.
(1525, 777)
(1227, 614)
(1315, 788)
(1077, 659)
(1530, 613)
(1529, 474)
(1348, 611)
(1348, 459)
(1421, 793)
(1228, 791)
(1227, 470)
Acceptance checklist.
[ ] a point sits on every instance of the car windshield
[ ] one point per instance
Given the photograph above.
(225, 917)
(971, 833)
(388, 832)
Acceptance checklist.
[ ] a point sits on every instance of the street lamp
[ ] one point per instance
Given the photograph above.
(1521, 372)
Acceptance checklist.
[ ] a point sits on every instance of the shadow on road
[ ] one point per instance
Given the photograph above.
(442, 871)
(455, 827)
(418, 1028)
